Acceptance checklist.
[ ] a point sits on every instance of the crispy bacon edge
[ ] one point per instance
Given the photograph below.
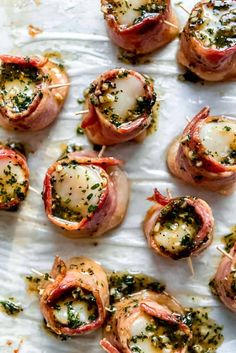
(147, 35)
(203, 238)
(46, 104)
(210, 64)
(17, 158)
(222, 284)
(108, 203)
(162, 306)
(100, 130)
(77, 272)
(203, 170)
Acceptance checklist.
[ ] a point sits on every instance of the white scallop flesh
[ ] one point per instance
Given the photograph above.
(219, 139)
(128, 89)
(172, 236)
(81, 309)
(145, 345)
(212, 23)
(12, 176)
(79, 186)
(20, 89)
(127, 11)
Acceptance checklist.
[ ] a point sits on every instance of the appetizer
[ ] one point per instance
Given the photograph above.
(140, 26)
(178, 227)
(146, 322)
(14, 178)
(74, 296)
(27, 102)
(205, 154)
(120, 106)
(224, 283)
(86, 193)
(208, 41)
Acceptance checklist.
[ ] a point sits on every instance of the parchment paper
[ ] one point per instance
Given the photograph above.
(76, 29)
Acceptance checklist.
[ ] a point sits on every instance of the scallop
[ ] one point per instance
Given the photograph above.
(144, 339)
(82, 310)
(219, 139)
(128, 11)
(126, 93)
(12, 177)
(79, 187)
(213, 23)
(171, 236)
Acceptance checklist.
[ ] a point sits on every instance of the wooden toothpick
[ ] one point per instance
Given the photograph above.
(224, 253)
(190, 264)
(59, 85)
(188, 119)
(34, 190)
(85, 111)
(171, 24)
(169, 193)
(100, 154)
(41, 274)
(183, 8)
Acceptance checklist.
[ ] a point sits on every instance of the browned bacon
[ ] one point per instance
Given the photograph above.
(178, 227)
(146, 33)
(190, 160)
(42, 106)
(79, 273)
(111, 190)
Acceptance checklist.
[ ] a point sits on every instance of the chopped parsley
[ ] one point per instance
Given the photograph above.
(10, 307)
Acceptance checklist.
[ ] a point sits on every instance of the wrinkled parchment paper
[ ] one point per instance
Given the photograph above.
(76, 29)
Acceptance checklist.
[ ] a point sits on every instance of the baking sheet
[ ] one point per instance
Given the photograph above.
(75, 28)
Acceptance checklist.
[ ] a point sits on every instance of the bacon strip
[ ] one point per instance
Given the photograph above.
(202, 210)
(13, 157)
(149, 34)
(112, 205)
(225, 282)
(202, 170)
(46, 103)
(98, 127)
(79, 272)
(209, 63)
(118, 330)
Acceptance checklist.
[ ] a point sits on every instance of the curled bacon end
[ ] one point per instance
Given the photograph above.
(225, 280)
(162, 230)
(144, 305)
(156, 310)
(77, 275)
(104, 199)
(25, 61)
(108, 123)
(108, 347)
(36, 106)
(190, 159)
(14, 178)
(147, 34)
(159, 198)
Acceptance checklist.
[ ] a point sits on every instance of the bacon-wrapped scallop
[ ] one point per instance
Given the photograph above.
(74, 297)
(86, 193)
(14, 178)
(224, 283)
(178, 227)
(140, 26)
(146, 322)
(121, 105)
(205, 154)
(208, 41)
(26, 102)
